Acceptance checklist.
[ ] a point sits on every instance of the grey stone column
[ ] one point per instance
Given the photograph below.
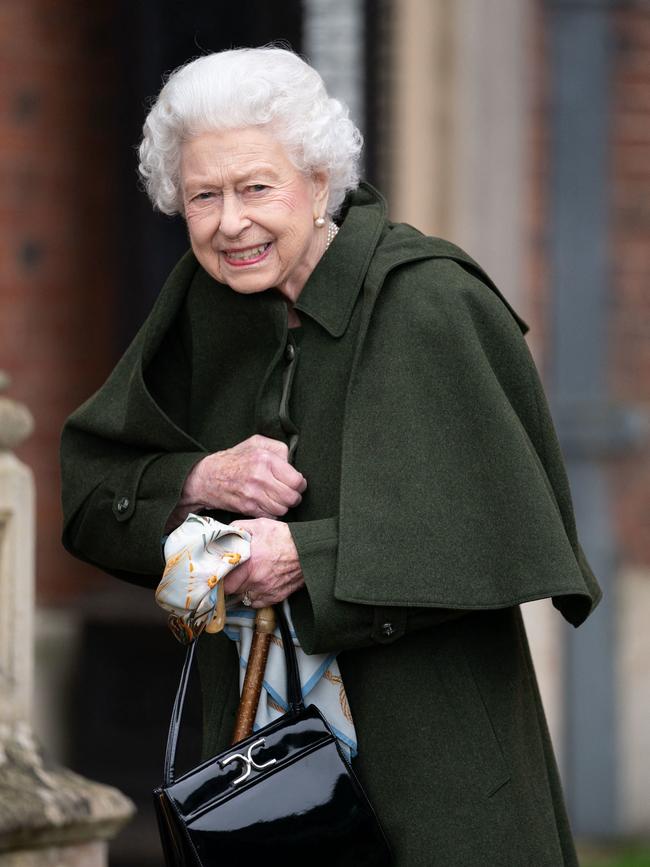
(48, 815)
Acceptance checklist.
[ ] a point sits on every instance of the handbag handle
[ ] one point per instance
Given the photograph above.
(294, 689)
(294, 692)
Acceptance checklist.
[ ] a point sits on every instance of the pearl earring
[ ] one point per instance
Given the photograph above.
(319, 222)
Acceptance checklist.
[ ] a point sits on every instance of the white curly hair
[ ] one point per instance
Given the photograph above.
(249, 87)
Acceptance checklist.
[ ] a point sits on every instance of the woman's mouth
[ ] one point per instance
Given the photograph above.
(247, 256)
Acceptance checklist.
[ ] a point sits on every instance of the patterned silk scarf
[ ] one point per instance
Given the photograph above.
(199, 554)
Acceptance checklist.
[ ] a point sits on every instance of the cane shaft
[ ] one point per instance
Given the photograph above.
(252, 688)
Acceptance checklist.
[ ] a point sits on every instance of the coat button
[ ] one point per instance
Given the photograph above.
(387, 629)
(290, 352)
(123, 505)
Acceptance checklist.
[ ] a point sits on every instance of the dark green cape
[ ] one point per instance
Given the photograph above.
(448, 446)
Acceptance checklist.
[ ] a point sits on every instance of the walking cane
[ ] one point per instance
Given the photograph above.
(250, 694)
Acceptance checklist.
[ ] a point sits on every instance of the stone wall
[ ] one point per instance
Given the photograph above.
(48, 815)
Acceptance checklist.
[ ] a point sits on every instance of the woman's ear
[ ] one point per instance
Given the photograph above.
(321, 182)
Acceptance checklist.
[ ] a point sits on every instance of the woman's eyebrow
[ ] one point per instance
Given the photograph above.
(261, 170)
(255, 171)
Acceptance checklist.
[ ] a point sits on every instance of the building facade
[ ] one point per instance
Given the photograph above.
(519, 130)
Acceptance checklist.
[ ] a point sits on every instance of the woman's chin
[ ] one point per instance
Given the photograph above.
(246, 282)
(251, 283)
(247, 287)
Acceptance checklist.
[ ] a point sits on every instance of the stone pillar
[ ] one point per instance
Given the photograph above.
(461, 87)
(333, 43)
(48, 815)
(460, 126)
(421, 146)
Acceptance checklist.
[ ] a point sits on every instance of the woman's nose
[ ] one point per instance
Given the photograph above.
(233, 217)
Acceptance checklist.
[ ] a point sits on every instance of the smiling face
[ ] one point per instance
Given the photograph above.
(250, 212)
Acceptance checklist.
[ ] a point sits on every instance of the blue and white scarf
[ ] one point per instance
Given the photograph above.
(199, 554)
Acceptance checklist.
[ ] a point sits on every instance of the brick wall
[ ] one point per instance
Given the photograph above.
(630, 299)
(57, 216)
(629, 365)
(537, 270)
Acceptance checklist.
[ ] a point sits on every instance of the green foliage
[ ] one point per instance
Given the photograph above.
(625, 858)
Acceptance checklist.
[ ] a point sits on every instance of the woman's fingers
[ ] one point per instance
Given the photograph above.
(274, 455)
(288, 475)
(270, 484)
(252, 478)
(266, 494)
(278, 501)
(234, 581)
(273, 570)
(257, 441)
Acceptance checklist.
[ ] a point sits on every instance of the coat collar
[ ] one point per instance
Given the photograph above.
(330, 293)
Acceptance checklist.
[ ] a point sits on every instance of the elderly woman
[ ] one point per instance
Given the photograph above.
(361, 399)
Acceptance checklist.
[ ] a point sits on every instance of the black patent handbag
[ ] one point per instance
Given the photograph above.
(284, 796)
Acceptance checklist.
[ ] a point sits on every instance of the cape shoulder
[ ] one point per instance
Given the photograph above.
(449, 448)
(168, 304)
(403, 245)
(121, 425)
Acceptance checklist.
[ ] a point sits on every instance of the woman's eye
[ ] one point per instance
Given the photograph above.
(202, 197)
(256, 188)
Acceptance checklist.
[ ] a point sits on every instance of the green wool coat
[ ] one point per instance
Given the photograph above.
(437, 502)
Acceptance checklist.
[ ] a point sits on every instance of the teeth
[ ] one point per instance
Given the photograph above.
(248, 254)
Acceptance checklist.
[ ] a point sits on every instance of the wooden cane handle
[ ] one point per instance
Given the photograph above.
(252, 688)
(265, 621)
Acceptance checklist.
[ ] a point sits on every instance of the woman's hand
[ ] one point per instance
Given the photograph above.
(252, 478)
(273, 570)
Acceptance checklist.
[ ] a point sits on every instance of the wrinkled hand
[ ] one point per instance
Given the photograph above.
(273, 570)
(252, 478)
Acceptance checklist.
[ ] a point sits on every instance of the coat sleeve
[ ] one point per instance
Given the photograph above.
(120, 525)
(324, 623)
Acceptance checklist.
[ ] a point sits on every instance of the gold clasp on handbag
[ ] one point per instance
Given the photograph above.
(248, 761)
